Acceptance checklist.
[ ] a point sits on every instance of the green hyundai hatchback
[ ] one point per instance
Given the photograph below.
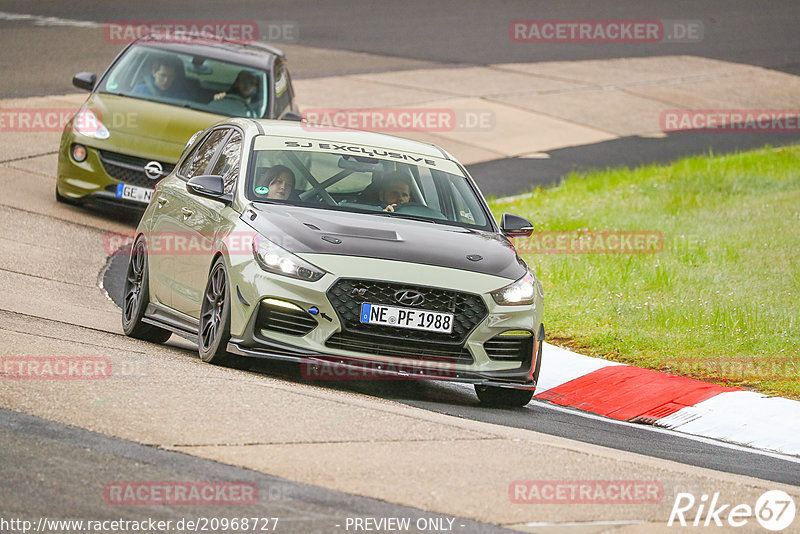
(358, 255)
(155, 95)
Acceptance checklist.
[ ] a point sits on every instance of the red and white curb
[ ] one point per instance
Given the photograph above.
(686, 405)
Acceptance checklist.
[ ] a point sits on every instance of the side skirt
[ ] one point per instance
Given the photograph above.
(169, 319)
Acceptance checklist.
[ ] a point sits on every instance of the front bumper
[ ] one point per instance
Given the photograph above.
(315, 340)
(98, 176)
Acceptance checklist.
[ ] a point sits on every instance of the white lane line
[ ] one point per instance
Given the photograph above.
(744, 417)
(699, 439)
(512, 198)
(39, 20)
(586, 523)
(640, 426)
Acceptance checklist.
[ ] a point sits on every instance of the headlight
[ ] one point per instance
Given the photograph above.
(519, 293)
(87, 123)
(276, 260)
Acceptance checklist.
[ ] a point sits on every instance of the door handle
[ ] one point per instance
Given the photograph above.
(186, 212)
(161, 201)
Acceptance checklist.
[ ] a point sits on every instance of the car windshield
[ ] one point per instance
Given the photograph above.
(365, 184)
(191, 81)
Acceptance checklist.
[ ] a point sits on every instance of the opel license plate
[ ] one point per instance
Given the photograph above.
(132, 192)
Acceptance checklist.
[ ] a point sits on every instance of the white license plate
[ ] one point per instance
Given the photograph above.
(132, 192)
(430, 321)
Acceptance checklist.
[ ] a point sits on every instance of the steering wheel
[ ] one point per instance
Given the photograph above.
(320, 194)
(249, 111)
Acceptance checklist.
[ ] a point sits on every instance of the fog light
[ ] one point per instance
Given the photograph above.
(78, 153)
(281, 304)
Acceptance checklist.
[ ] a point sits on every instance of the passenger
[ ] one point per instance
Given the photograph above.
(277, 183)
(162, 81)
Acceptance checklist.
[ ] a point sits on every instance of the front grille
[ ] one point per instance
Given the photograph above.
(130, 169)
(403, 349)
(347, 295)
(509, 348)
(284, 320)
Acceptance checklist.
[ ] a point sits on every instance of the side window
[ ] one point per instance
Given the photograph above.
(463, 212)
(467, 208)
(227, 165)
(196, 163)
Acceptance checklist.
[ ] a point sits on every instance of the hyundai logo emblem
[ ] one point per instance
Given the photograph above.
(409, 297)
(153, 170)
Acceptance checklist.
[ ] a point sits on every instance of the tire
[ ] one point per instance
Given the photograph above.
(505, 397)
(136, 296)
(66, 200)
(497, 396)
(215, 319)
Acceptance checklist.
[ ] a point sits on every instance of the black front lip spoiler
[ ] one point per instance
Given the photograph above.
(257, 346)
(339, 367)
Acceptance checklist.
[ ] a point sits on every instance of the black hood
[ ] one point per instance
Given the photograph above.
(320, 231)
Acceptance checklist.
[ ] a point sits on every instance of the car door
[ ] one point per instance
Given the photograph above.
(169, 236)
(204, 221)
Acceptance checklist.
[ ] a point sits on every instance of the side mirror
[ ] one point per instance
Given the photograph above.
(515, 226)
(84, 80)
(292, 116)
(209, 186)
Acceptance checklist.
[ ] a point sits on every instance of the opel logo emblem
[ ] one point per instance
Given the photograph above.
(153, 170)
(409, 297)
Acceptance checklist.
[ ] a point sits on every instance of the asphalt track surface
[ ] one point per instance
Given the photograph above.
(40, 57)
(75, 462)
(460, 32)
(459, 400)
(366, 37)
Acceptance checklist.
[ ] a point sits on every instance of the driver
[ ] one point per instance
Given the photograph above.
(394, 190)
(244, 89)
(164, 79)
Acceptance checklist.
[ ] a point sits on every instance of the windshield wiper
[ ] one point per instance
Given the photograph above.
(405, 216)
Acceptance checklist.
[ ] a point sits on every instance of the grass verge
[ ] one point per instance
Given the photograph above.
(719, 301)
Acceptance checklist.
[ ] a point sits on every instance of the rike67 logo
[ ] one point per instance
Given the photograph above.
(774, 510)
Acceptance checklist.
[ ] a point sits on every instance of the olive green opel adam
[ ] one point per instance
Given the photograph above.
(358, 255)
(157, 93)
